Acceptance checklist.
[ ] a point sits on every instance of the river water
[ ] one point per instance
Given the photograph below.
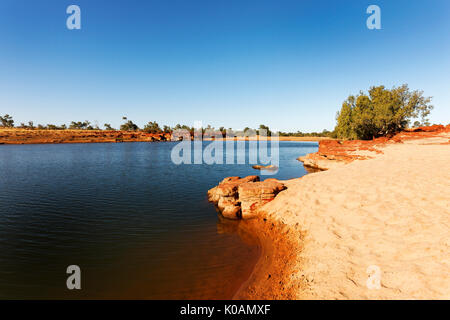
(137, 225)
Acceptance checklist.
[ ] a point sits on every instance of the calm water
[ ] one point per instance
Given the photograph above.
(136, 224)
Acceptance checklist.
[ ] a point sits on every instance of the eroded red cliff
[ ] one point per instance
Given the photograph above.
(334, 153)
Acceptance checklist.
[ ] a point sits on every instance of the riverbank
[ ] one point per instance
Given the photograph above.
(333, 234)
(279, 138)
(36, 136)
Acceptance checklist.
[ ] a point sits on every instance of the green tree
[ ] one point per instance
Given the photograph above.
(129, 126)
(167, 129)
(7, 121)
(381, 112)
(264, 130)
(344, 127)
(52, 127)
(108, 127)
(81, 125)
(152, 127)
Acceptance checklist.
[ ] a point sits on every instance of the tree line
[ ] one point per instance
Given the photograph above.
(379, 112)
(151, 127)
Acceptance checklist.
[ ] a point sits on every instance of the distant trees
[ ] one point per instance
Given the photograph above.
(86, 125)
(7, 121)
(128, 125)
(381, 112)
(264, 130)
(223, 131)
(108, 127)
(324, 133)
(152, 127)
(52, 127)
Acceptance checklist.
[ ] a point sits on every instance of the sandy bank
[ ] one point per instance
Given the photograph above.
(37, 136)
(334, 229)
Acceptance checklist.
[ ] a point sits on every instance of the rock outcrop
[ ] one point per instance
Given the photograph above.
(334, 153)
(34, 136)
(269, 167)
(237, 197)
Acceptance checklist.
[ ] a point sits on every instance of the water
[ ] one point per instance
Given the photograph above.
(138, 226)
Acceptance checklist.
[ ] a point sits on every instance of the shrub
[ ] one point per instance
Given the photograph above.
(382, 112)
(7, 121)
(152, 127)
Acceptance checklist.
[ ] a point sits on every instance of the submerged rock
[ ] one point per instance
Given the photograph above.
(237, 197)
(269, 167)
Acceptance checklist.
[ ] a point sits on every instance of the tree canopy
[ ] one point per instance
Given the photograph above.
(381, 112)
(152, 127)
(7, 121)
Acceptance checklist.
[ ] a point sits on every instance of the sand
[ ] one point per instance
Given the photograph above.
(385, 218)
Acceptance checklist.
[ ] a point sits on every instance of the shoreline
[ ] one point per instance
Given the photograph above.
(321, 237)
(267, 280)
(17, 136)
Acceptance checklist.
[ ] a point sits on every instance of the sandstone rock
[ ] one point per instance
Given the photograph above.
(237, 197)
(253, 195)
(335, 153)
(269, 167)
(29, 136)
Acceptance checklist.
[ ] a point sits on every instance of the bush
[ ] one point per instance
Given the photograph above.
(7, 121)
(152, 127)
(129, 126)
(382, 112)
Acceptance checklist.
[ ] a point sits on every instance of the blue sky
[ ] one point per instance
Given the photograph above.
(286, 64)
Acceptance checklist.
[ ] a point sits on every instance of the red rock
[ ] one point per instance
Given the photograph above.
(237, 197)
(333, 153)
(32, 136)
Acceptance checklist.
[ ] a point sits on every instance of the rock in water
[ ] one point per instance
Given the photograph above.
(269, 167)
(237, 197)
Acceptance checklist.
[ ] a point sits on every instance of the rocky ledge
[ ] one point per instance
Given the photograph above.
(237, 197)
(334, 153)
(28, 136)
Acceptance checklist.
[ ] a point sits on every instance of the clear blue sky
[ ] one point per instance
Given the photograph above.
(286, 64)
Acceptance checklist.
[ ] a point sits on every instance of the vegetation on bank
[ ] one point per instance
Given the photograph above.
(380, 112)
(153, 127)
